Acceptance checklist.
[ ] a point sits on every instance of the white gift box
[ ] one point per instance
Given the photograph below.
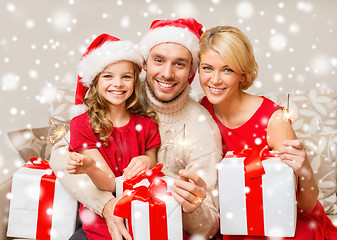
(25, 203)
(140, 217)
(278, 197)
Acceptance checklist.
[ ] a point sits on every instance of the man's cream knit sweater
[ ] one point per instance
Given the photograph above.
(190, 139)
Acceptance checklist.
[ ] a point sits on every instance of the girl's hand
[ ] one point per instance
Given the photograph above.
(138, 165)
(79, 163)
(293, 154)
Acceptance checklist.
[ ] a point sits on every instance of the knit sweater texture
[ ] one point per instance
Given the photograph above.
(190, 139)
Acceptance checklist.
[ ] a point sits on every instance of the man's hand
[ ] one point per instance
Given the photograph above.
(189, 190)
(115, 224)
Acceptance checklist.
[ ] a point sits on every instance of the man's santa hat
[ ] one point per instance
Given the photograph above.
(184, 31)
(104, 50)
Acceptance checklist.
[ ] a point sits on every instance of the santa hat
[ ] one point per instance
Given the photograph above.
(104, 50)
(185, 31)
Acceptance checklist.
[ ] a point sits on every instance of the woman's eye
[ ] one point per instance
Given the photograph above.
(207, 68)
(228, 70)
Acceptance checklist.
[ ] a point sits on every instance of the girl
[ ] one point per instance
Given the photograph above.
(227, 67)
(115, 136)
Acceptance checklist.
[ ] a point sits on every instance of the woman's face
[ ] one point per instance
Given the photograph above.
(217, 79)
(116, 83)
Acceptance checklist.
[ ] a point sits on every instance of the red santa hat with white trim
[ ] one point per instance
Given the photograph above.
(103, 51)
(184, 31)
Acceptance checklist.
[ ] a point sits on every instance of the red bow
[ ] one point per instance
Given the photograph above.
(253, 160)
(157, 207)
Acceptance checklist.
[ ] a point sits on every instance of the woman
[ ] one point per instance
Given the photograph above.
(227, 67)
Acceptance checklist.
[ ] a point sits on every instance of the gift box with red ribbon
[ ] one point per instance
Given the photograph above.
(148, 206)
(40, 208)
(257, 194)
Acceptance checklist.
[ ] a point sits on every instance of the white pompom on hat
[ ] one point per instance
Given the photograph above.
(184, 31)
(103, 51)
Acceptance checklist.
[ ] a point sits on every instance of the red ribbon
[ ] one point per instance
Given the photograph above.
(46, 198)
(157, 207)
(253, 183)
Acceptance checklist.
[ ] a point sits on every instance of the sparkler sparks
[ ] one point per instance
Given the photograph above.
(58, 133)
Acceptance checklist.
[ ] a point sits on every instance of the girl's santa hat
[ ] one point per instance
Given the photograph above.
(184, 31)
(104, 50)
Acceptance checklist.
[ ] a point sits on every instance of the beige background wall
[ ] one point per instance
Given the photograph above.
(41, 42)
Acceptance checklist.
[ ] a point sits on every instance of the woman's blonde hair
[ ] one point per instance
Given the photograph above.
(99, 107)
(235, 48)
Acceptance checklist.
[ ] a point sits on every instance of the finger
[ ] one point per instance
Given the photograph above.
(72, 171)
(121, 228)
(291, 150)
(193, 176)
(129, 167)
(190, 187)
(187, 206)
(294, 143)
(113, 230)
(188, 196)
(133, 172)
(291, 164)
(184, 179)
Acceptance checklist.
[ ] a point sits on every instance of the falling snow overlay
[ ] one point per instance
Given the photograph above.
(42, 42)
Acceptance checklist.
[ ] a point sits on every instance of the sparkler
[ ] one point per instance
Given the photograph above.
(182, 147)
(58, 133)
(286, 111)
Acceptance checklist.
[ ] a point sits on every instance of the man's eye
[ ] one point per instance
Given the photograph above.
(158, 60)
(180, 64)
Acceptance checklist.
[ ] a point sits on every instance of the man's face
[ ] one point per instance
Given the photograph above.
(168, 69)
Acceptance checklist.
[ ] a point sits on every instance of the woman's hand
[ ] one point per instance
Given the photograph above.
(294, 155)
(138, 165)
(79, 163)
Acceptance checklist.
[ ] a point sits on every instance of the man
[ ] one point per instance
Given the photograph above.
(191, 142)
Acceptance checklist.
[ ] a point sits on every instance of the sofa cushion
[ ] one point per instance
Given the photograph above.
(321, 150)
(38, 142)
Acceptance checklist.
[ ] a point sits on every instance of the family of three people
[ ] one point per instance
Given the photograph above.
(124, 126)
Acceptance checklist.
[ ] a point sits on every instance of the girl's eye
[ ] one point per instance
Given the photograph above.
(107, 76)
(127, 76)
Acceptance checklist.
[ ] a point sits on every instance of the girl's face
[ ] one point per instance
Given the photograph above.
(217, 79)
(116, 83)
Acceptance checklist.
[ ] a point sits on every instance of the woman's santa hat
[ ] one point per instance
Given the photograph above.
(104, 50)
(184, 31)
